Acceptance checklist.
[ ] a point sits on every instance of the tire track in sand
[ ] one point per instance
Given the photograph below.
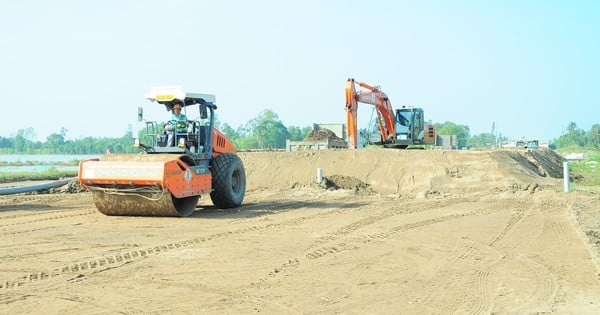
(106, 262)
(357, 242)
(33, 218)
(504, 242)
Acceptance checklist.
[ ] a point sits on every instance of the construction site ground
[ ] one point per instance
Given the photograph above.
(386, 232)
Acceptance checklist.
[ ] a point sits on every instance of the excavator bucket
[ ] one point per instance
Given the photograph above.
(145, 184)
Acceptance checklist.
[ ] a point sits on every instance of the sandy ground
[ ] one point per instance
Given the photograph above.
(390, 231)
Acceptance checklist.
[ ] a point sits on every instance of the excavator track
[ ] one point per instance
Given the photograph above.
(139, 186)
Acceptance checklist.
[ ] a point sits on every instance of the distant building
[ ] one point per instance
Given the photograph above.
(509, 144)
(574, 156)
(446, 142)
(525, 143)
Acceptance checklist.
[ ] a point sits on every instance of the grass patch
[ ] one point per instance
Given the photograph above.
(586, 172)
(30, 163)
(50, 174)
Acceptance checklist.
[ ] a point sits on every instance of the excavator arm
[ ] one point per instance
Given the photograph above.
(374, 96)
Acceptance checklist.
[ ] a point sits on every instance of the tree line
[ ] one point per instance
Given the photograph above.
(573, 136)
(266, 131)
(56, 143)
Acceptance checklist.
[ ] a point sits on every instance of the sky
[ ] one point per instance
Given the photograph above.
(528, 67)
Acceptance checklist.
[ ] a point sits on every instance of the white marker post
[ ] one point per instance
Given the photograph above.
(319, 175)
(566, 176)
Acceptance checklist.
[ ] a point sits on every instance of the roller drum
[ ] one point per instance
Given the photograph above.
(144, 184)
(144, 204)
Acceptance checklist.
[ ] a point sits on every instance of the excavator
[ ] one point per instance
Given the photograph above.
(175, 166)
(401, 128)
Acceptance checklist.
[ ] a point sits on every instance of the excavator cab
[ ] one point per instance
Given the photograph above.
(408, 127)
(405, 121)
(411, 128)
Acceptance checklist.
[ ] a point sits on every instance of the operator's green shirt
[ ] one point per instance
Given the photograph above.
(179, 122)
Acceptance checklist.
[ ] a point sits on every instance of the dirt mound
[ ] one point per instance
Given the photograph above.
(541, 161)
(417, 173)
(346, 182)
(72, 187)
(322, 135)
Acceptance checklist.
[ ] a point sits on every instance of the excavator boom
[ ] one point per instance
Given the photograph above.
(374, 96)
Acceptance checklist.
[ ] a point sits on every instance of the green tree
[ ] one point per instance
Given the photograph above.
(245, 139)
(6, 143)
(268, 130)
(55, 141)
(593, 136)
(450, 128)
(229, 132)
(574, 136)
(481, 140)
(23, 141)
(298, 133)
(245, 143)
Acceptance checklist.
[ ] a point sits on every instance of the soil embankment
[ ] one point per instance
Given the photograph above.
(414, 173)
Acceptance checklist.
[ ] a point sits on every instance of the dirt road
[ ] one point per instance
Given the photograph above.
(411, 232)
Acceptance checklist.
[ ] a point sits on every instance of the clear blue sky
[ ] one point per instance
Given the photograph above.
(529, 66)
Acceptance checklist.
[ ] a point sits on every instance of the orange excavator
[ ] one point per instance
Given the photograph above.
(398, 128)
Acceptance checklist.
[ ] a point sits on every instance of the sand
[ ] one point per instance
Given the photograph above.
(387, 231)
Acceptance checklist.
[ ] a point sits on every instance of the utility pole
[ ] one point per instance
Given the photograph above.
(492, 134)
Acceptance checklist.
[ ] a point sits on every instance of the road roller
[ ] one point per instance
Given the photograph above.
(180, 159)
